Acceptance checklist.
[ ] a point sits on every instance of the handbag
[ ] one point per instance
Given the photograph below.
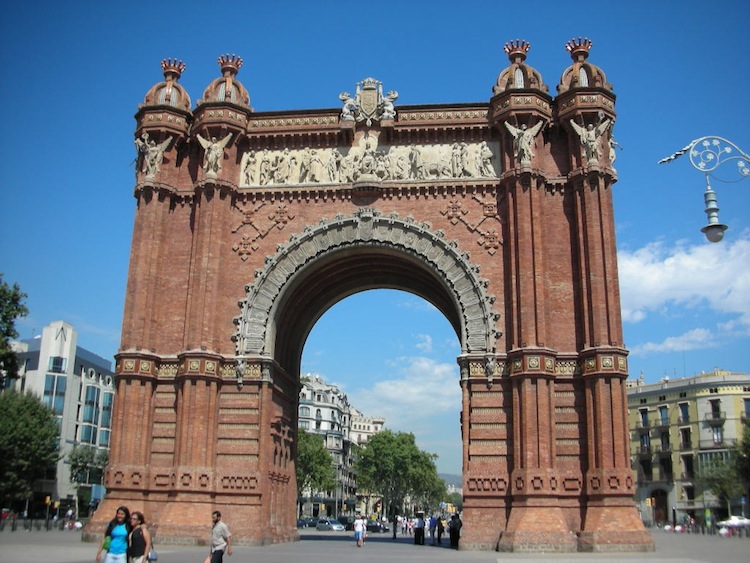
(152, 555)
(107, 543)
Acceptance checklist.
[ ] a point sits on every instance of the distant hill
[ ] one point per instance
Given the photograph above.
(451, 479)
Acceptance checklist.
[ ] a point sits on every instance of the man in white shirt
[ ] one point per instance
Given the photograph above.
(221, 539)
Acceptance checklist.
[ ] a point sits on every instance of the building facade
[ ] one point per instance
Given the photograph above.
(325, 410)
(677, 427)
(499, 213)
(78, 386)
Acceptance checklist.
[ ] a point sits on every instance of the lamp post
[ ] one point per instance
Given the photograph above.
(706, 155)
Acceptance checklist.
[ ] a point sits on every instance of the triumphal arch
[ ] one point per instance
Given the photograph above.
(250, 225)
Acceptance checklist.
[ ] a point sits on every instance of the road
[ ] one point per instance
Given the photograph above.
(338, 547)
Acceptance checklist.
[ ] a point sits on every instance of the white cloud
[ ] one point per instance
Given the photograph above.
(424, 343)
(423, 397)
(696, 339)
(658, 278)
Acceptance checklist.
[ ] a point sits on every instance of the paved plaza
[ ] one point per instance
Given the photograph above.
(337, 547)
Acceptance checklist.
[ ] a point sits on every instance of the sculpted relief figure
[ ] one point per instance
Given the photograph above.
(264, 175)
(248, 169)
(282, 167)
(484, 158)
(589, 137)
(350, 106)
(151, 154)
(214, 153)
(523, 143)
(367, 161)
(387, 109)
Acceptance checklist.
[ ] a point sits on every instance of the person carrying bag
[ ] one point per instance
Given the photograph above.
(141, 549)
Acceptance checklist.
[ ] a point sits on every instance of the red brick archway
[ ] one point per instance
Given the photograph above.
(498, 213)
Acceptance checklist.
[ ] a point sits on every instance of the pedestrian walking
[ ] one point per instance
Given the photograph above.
(359, 528)
(221, 540)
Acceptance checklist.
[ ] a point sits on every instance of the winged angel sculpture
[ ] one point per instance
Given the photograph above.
(214, 153)
(151, 154)
(523, 144)
(589, 137)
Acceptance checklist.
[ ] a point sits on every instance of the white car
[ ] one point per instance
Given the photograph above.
(329, 524)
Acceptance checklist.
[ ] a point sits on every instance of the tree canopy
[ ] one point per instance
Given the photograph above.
(314, 464)
(721, 478)
(29, 443)
(87, 464)
(11, 307)
(392, 465)
(741, 456)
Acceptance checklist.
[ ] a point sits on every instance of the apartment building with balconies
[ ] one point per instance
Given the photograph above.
(678, 426)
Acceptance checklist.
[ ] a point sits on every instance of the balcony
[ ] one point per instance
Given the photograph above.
(643, 425)
(661, 423)
(709, 444)
(686, 445)
(643, 451)
(687, 476)
(683, 420)
(716, 417)
(664, 449)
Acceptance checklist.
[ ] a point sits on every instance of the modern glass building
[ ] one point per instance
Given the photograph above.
(78, 386)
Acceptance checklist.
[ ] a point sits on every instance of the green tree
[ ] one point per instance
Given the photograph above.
(392, 465)
(11, 307)
(720, 476)
(457, 500)
(314, 465)
(29, 443)
(741, 456)
(87, 464)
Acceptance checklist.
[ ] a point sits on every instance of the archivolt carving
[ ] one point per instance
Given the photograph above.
(369, 228)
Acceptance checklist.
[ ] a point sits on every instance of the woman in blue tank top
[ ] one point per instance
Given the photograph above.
(117, 532)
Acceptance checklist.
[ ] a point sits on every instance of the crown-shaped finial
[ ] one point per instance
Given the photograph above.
(172, 67)
(230, 63)
(579, 48)
(517, 49)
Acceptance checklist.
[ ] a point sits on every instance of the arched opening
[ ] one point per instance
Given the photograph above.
(391, 356)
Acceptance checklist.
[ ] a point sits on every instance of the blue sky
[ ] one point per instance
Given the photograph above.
(73, 74)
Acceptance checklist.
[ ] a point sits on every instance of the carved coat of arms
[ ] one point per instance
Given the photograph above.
(368, 104)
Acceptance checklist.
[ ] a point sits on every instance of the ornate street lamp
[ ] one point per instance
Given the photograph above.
(706, 155)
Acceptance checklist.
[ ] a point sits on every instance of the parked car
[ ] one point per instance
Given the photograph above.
(329, 524)
(347, 521)
(377, 527)
(301, 523)
(312, 521)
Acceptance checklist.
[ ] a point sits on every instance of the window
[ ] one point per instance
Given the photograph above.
(746, 413)
(583, 78)
(91, 405)
(664, 416)
(644, 417)
(88, 434)
(304, 424)
(57, 364)
(54, 392)
(518, 76)
(104, 438)
(718, 433)
(645, 442)
(685, 441)
(106, 421)
(684, 413)
(304, 411)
